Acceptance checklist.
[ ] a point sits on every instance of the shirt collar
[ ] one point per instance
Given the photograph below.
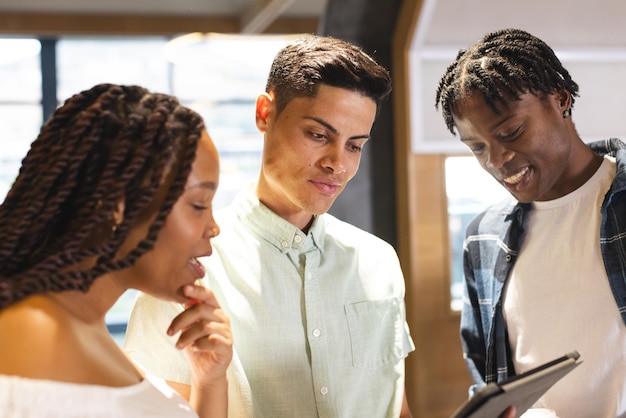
(274, 229)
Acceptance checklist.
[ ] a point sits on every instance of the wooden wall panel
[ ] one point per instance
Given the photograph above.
(437, 380)
(56, 24)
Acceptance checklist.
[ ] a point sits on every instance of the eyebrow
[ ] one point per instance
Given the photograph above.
(210, 185)
(333, 129)
(502, 121)
(494, 127)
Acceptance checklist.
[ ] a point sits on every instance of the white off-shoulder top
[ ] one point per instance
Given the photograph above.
(31, 398)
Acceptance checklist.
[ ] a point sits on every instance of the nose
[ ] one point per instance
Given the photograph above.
(333, 161)
(498, 156)
(212, 230)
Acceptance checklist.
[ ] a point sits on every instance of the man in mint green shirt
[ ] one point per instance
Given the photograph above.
(316, 305)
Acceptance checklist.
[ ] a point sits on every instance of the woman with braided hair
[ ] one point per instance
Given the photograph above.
(115, 193)
(544, 269)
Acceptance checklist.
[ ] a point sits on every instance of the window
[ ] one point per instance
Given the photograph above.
(469, 189)
(219, 76)
(20, 104)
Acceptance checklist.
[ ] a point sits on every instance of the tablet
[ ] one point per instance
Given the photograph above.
(522, 390)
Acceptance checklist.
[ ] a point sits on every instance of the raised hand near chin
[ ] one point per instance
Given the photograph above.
(205, 336)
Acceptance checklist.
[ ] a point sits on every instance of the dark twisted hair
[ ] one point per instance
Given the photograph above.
(301, 66)
(505, 63)
(105, 145)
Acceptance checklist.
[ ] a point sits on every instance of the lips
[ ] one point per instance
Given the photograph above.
(326, 187)
(197, 267)
(516, 178)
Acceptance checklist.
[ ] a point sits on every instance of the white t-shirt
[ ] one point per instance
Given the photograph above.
(559, 299)
(32, 398)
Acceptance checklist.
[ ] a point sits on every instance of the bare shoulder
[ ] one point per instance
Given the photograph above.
(33, 333)
(42, 340)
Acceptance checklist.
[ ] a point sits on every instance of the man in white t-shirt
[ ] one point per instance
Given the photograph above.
(545, 270)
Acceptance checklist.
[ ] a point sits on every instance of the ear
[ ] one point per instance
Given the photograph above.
(264, 105)
(564, 98)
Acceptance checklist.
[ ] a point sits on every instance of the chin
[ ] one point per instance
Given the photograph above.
(179, 296)
(320, 208)
(525, 196)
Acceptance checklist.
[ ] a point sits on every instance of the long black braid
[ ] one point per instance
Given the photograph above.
(504, 63)
(104, 145)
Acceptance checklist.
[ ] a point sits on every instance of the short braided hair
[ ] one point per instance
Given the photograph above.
(108, 144)
(504, 63)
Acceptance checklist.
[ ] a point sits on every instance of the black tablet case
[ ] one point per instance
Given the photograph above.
(522, 390)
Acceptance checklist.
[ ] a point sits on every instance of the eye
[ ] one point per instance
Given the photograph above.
(317, 136)
(510, 135)
(199, 207)
(199, 198)
(476, 148)
(355, 147)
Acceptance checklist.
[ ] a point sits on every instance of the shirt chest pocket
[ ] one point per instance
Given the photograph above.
(376, 332)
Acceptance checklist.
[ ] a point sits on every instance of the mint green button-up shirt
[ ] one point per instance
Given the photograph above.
(318, 319)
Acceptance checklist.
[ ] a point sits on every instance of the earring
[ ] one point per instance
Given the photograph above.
(567, 113)
(114, 225)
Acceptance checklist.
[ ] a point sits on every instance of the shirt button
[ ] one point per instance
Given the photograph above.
(309, 276)
(508, 258)
(297, 238)
(285, 244)
(324, 390)
(316, 332)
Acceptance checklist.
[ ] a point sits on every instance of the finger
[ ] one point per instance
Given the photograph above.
(219, 348)
(508, 413)
(191, 302)
(200, 294)
(201, 335)
(198, 313)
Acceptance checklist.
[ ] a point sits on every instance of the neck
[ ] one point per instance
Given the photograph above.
(282, 207)
(90, 306)
(590, 165)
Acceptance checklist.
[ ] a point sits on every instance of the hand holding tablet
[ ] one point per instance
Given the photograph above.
(521, 391)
